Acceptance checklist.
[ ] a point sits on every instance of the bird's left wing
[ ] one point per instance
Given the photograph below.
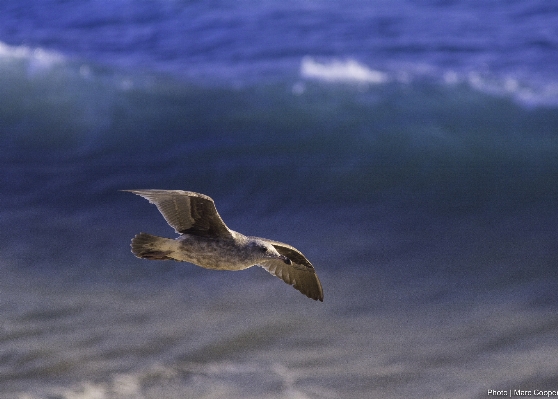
(187, 212)
(300, 273)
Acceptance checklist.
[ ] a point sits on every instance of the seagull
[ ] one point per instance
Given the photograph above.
(206, 241)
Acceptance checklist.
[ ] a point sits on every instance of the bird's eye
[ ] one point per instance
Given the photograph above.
(263, 249)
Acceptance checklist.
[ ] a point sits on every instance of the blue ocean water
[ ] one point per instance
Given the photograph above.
(409, 150)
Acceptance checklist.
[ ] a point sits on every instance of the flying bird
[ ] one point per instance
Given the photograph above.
(206, 241)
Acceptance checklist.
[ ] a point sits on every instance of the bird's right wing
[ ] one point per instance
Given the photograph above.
(187, 212)
(300, 273)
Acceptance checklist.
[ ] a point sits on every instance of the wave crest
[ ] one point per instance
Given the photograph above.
(341, 71)
(37, 59)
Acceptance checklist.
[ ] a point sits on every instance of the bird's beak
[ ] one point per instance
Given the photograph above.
(286, 260)
(282, 257)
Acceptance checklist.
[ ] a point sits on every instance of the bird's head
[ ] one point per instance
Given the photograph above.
(265, 250)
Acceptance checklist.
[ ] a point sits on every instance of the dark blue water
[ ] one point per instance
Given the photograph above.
(410, 150)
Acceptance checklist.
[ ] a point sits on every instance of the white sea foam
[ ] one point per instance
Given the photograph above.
(212, 380)
(38, 60)
(528, 93)
(38, 54)
(525, 91)
(341, 71)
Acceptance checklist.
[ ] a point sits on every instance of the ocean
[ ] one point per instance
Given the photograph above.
(409, 149)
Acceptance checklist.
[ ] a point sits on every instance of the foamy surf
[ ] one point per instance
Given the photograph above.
(349, 71)
(36, 60)
(216, 380)
(524, 91)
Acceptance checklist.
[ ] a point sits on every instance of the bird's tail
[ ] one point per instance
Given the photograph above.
(152, 247)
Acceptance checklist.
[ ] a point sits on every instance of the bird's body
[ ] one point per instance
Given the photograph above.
(235, 253)
(201, 251)
(206, 241)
